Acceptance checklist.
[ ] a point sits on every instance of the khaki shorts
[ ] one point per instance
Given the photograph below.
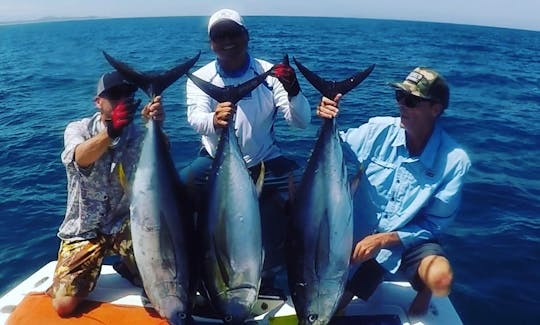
(370, 274)
(79, 262)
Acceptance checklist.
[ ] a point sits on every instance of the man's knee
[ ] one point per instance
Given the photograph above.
(65, 306)
(436, 273)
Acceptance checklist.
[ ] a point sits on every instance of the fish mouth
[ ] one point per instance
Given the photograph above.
(241, 294)
(173, 309)
(237, 303)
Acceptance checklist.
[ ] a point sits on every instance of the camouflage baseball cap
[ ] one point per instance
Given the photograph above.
(426, 83)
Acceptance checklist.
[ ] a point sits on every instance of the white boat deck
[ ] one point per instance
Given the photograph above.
(391, 298)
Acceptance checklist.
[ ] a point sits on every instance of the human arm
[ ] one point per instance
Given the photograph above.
(200, 110)
(88, 151)
(296, 110)
(205, 114)
(371, 245)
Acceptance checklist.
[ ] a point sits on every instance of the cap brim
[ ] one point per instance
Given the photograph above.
(409, 88)
(224, 24)
(131, 87)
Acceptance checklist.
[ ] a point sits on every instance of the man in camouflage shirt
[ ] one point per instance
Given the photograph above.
(100, 155)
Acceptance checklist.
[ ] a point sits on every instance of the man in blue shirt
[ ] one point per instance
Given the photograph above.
(410, 190)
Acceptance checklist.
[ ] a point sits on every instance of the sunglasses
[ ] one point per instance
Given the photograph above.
(220, 35)
(409, 99)
(118, 93)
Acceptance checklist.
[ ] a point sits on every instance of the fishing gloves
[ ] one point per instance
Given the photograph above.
(287, 77)
(121, 116)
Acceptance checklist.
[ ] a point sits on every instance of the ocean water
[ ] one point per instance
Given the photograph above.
(48, 73)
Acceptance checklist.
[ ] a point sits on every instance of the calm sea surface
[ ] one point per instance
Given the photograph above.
(48, 73)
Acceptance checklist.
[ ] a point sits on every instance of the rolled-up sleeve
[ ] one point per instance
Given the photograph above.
(73, 136)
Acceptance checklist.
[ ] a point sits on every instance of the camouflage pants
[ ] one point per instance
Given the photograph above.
(79, 263)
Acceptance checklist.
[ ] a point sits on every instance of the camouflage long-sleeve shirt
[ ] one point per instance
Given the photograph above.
(98, 196)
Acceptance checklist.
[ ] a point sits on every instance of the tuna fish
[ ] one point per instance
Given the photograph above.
(319, 241)
(160, 231)
(231, 227)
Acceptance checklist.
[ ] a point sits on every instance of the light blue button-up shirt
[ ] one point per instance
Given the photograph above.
(415, 196)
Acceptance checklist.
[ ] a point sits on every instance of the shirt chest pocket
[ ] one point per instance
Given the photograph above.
(419, 177)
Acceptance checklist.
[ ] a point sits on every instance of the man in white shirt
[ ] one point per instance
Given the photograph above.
(254, 123)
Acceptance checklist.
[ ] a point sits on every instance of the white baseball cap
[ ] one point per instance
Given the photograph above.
(223, 15)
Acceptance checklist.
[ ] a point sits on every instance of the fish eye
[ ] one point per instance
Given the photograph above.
(312, 318)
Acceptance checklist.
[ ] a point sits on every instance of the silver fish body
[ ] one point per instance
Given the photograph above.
(231, 225)
(159, 232)
(232, 245)
(320, 237)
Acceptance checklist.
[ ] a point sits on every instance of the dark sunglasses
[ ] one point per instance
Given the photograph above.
(220, 35)
(118, 93)
(409, 99)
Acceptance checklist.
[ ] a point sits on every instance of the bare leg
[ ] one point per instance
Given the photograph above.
(65, 306)
(436, 273)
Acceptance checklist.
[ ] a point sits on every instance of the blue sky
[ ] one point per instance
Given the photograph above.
(521, 14)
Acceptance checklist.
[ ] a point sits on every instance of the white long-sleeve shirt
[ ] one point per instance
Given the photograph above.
(255, 115)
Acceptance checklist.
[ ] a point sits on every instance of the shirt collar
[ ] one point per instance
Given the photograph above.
(399, 140)
(427, 158)
(234, 74)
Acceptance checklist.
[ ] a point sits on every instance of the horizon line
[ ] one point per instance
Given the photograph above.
(51, 19)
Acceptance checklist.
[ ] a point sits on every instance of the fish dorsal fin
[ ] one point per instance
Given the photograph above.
(152, 84)
(330, 89)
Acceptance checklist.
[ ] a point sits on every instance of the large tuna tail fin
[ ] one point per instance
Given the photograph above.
(152, 84)
(330, 89)
(231, 94)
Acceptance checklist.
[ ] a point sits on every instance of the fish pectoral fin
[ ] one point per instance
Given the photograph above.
(222, 262)
(292, 188)
(355, 181)
(260, 180)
